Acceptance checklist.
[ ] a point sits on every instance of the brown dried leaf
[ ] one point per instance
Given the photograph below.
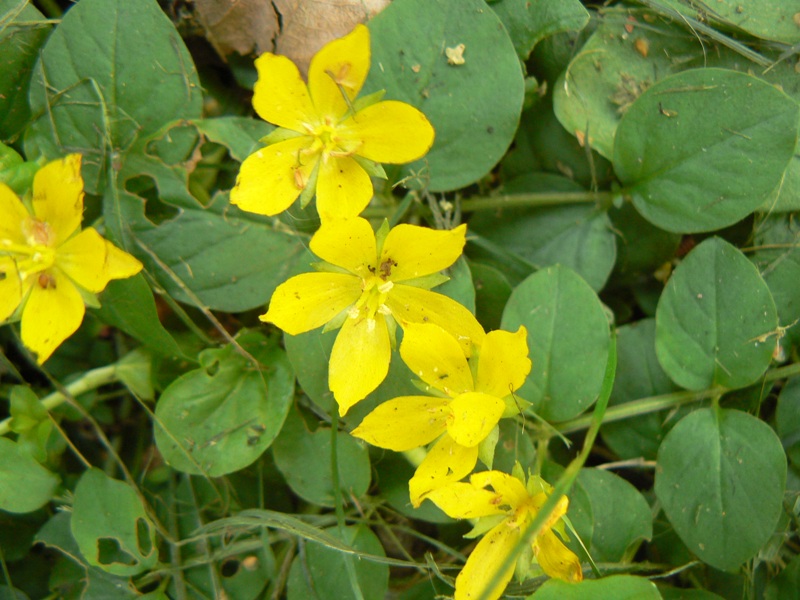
(307, 25)
(243, 26)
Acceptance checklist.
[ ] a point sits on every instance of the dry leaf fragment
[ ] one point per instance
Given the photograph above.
(455, 56)
(243, 26)
(307, 25)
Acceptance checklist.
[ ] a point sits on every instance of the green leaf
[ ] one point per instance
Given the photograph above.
(715, 320)
(621, 516)
(577, 236)
(492, 290)
(111, 526)
(25, 485)
(228, 262)
(23, 29)
(721, 476)
(787, 419)
(30, 420)
(670, 593)
(529, 22)
(128, 304)
(702, 149)
(321, 573)
(568, 340)
(12, 593)
(639, 375)
(135, 370)
(240, 135)
(766, 19)
(616, 587)
(642, 247)
(220, 418)
(474, 124)
(94, 82)
(72, 576)
(608, 73)
(304, 459)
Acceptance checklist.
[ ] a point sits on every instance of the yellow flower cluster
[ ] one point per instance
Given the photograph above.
(327, 146)
(370, 282)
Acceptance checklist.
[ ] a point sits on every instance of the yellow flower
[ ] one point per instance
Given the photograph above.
(367, 288)
(325, 140)
(467, 411)
(47, 263)
(509, 508)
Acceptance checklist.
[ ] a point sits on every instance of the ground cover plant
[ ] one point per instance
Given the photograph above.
(413, 299)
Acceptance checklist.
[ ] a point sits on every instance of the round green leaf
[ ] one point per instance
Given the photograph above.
(492, 290)
(304, 459)
(608, 73)
(25, 485)
(702, 149)
(111, 526)
(621, 516)
(715, 319)
(321, 572)
(474, 123)
(787, 418)
(721, 476)
(639, 375)
(616, 587)
(94, 83)
(220, 418)
(670, 593)
(568, 340)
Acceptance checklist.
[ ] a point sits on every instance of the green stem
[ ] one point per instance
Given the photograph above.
(337, 503)
(651, 404)
(513, 200)
(534, 200)
(91, 380)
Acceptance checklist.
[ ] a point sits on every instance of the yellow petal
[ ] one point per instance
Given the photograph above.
(343, 188)
(388, 132)
(446, 463)
(465, 501)
(91, 262)
(556, 559)
(359, 360)
(404, 423)
(53, 312)
(310, 300)
(511, 491)
(280, 95)
(503, 363)
(414, 305)
(58, 196)
(485, 562)
(418, 251)
(119, 264)
(347, 244)
(10, 288)
(345, 62)
(437, 358)
(272, 178)
(473, 416)
(12, 216)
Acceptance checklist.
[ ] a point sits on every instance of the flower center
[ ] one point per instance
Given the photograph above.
(38, 254)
